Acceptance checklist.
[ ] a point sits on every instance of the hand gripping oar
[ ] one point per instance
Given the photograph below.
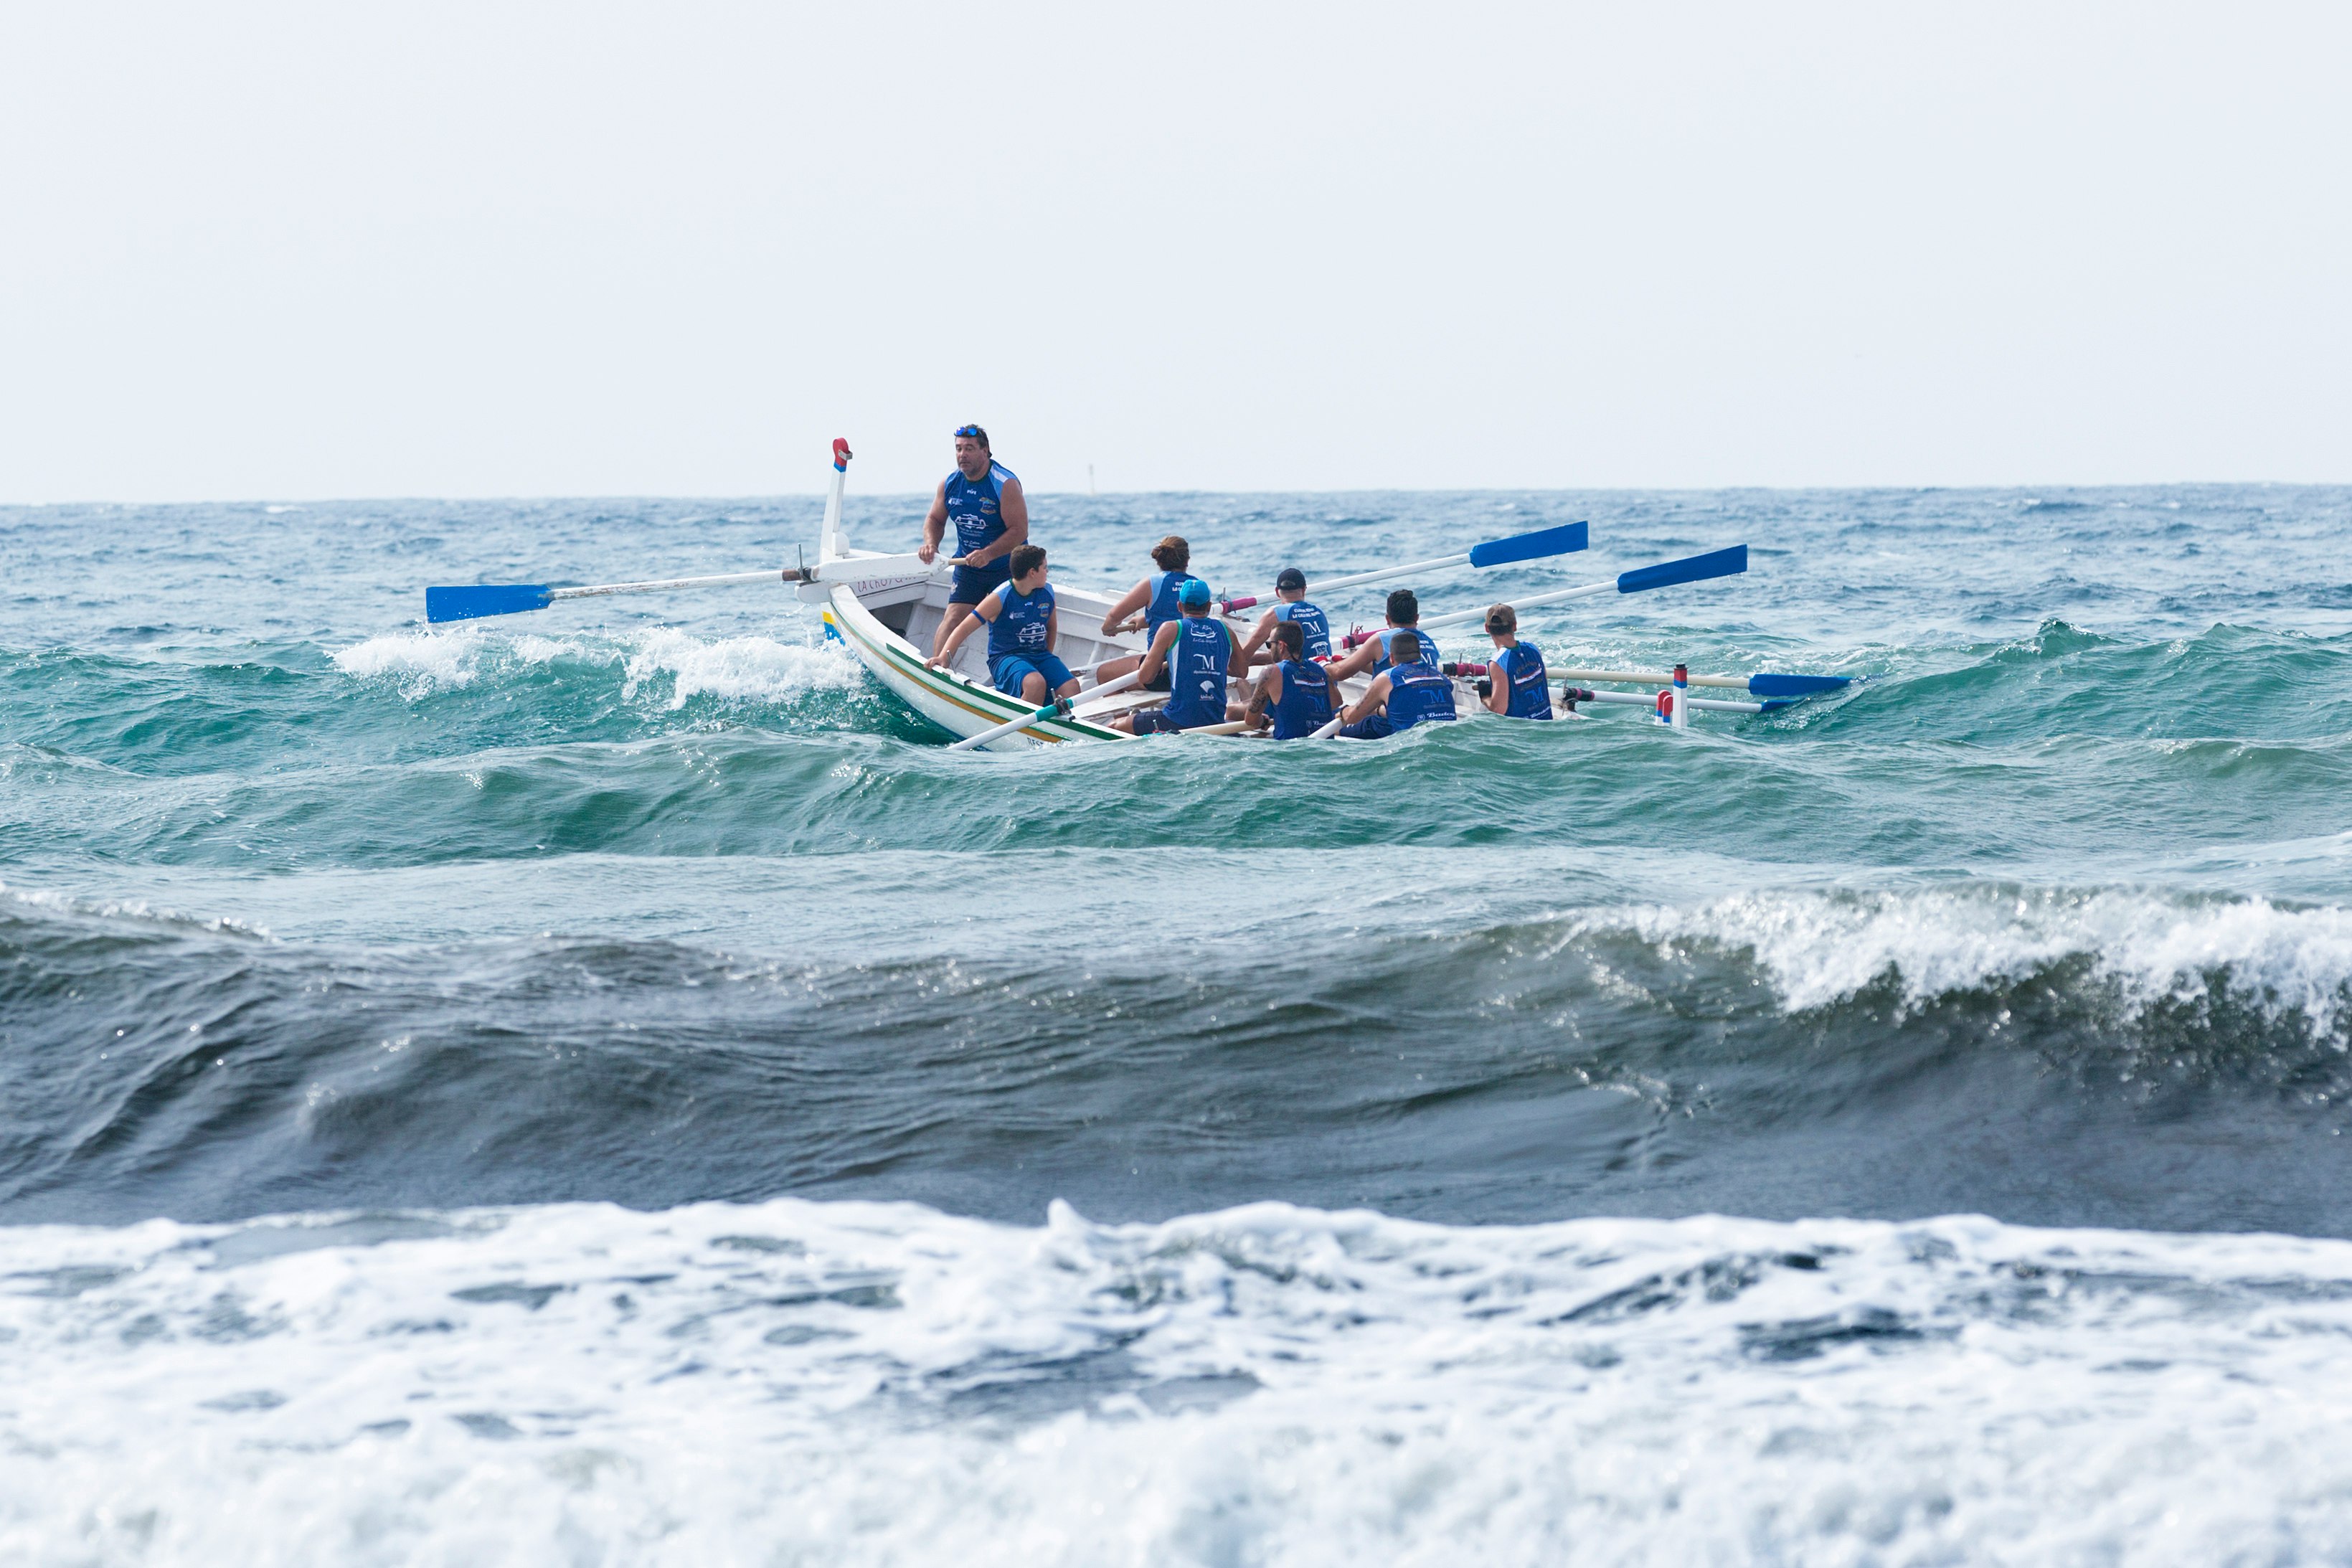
(1560, 541)
(1060, 708)
(1664, 574)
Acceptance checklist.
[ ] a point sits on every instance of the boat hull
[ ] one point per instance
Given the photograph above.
(947, 698)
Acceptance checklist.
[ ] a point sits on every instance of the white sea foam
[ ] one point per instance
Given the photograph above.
(51, 901)
(422, 663)
(1821, 947)
(752, 668)
(663, 664)
(852, 1383)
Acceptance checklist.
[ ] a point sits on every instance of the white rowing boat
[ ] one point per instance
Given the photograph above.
(887, 609)
(890, 619)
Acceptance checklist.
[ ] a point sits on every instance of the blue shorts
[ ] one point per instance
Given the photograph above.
(1012, 669)
(1375, 727)
(972, 582)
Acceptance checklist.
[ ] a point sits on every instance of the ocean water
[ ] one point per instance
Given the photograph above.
(607, 1087)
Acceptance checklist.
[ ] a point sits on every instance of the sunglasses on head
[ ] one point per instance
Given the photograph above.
(974, 431)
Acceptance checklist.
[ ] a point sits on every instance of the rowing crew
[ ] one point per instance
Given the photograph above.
(1001, 582)
(1412, 689)
(1191, 656)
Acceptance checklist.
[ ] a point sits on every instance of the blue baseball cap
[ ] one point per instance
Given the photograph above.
(1194, 595)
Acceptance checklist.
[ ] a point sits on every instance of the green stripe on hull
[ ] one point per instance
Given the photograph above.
(993, 705)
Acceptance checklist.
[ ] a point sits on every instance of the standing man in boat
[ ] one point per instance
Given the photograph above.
(1295, 687)
(1290, 590)
(983, 500)
(1375, 652)
(1408, 692)
(1198, 652)
(1023, 627)
(1517, 686)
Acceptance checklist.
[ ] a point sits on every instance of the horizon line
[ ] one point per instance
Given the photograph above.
(553, 497)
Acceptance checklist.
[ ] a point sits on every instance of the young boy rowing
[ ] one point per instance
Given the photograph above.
(1023, 627)
(1517, 686)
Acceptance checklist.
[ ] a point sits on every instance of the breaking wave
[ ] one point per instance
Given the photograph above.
(855, 1384)
(1819, 948)
(661, 662)
(753, 669)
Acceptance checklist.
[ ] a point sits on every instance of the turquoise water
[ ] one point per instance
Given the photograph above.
(311, 910)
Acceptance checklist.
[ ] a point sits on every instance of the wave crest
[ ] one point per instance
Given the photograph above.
(424, 663)
(660, 663)
(1823, 948)
(747, 667)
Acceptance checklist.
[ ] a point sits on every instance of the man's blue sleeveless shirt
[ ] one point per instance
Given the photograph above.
(1020, 624)
(976, 507)
(1305, 705)
(1196, 672)
(1161, 608)
(1428, 649)
(1418, 695)
(1523, 666)
(1310, 622)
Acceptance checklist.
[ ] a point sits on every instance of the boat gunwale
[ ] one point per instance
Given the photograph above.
(901, 659)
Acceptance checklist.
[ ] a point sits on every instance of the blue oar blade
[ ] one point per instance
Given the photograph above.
(1689, 569)
(1543, 542)
(1795, 685)
(479, 599)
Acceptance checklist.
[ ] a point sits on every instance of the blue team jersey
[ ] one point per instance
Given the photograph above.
(1196, 672)
(1428, 649)
(1305, 705)
(1418, 695)
(1020, 624)
(1523, 667)
(976, 507)
(1161, 607)
(1310, 622)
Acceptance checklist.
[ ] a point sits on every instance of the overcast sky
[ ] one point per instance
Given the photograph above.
(300, 250)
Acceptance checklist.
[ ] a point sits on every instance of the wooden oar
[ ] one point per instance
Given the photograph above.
(1664, 574)
(1699, 704)
(1060, 708)
(1533, 546)
(474, 601)
(1758, 685)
